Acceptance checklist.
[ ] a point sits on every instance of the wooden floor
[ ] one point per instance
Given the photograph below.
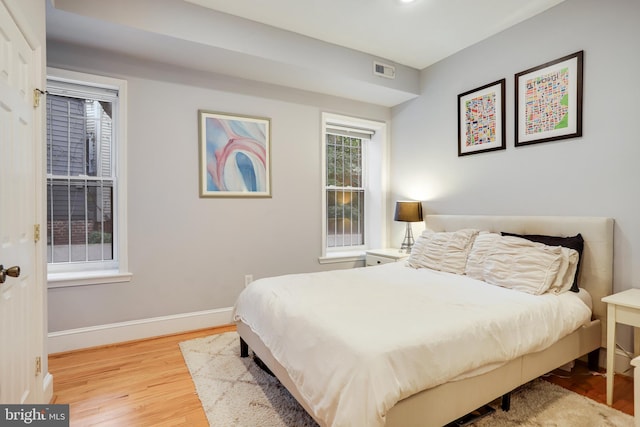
(593, 385)
(146, 383)
(135, 384)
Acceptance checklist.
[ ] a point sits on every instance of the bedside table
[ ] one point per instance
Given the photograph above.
(384, 256)
(623, 307)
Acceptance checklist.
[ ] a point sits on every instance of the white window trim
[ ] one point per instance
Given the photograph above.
(79, 276)
(98, 277)
(377, 175)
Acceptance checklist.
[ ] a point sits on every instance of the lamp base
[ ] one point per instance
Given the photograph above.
(408, 241)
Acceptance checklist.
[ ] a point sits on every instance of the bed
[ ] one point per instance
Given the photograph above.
(471, 382)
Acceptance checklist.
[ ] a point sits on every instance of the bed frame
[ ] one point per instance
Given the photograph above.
(448, 402)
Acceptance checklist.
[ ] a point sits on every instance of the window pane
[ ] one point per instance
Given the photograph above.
(100, 230)
(344, 161)
(65, 135)
(345, 218)
(79, 136)
(98, 138)
(58, 221)
(79, 220)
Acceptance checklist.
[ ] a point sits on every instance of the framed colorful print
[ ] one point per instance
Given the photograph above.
(481, 124)
(549, 101)
(234, 155)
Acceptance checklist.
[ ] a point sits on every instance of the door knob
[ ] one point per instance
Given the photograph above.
(11, 271)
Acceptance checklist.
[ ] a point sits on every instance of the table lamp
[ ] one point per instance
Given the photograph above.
(408, 212)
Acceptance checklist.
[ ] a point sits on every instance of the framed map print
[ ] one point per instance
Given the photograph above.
(481, 124)
(549, 101)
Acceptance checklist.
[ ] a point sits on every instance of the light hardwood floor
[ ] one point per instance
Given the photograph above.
(146, 383)
(134, 384)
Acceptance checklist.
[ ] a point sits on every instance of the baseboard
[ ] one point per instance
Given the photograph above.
(93, 336)
(47, 388)
(622, 363)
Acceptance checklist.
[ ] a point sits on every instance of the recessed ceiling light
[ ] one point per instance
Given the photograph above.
(406, 1)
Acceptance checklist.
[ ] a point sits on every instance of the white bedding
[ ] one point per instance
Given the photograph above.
(355, 342)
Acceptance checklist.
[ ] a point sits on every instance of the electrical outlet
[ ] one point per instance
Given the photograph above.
(248, 278)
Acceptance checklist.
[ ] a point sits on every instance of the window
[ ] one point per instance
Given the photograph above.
(86, 223)
(353, 185)
(345, 190)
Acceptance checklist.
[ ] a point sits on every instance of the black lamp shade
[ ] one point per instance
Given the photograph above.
(408, 211)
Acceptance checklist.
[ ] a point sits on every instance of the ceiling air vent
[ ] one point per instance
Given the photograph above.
(384, 70)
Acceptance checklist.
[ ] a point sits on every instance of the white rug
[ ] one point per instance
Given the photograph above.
(236, 393)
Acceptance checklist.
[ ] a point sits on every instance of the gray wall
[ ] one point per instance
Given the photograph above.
(186, 253)
(595, 175)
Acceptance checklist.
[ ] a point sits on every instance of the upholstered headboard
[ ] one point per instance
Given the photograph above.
(596, 271)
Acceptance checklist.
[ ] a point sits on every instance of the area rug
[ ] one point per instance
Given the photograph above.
(235, 392)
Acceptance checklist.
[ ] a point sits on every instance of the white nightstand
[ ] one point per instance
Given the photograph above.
(383, 256)
(623, 307)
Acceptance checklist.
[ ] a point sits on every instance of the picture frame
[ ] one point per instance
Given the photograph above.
(481, 119)
(234, 155)
(548, 101)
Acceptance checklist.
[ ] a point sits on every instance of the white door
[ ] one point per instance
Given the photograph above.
(21, 298)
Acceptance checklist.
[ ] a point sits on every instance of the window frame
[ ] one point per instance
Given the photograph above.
(111, 271)
(375, 168)
(364, 147)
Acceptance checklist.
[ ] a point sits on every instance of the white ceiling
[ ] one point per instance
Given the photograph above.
(417, 34)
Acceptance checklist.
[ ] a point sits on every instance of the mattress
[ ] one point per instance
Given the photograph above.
(355, 342)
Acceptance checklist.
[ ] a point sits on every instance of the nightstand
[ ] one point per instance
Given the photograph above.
(623, 307)
(384, 256)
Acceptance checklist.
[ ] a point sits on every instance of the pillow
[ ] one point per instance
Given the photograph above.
(567, 272)
(442, 251)
(575, 242)
(520, 264)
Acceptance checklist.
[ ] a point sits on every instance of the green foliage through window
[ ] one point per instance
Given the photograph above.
(345, 191)
(344, 161)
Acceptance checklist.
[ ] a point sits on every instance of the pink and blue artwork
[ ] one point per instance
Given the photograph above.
(234, 156)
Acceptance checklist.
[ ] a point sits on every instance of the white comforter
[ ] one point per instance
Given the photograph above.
(355, 342)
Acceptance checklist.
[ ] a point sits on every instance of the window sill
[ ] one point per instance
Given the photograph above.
(336, 257)
(84, 278)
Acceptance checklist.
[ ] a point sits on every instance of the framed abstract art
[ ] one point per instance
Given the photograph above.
(234, 155)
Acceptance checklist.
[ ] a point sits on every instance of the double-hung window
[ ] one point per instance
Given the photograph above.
(86, 223)
(353, 184)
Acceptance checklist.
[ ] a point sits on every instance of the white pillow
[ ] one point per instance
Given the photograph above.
(443, 251)
(567, 271)
(480, 250)
(520, 264)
